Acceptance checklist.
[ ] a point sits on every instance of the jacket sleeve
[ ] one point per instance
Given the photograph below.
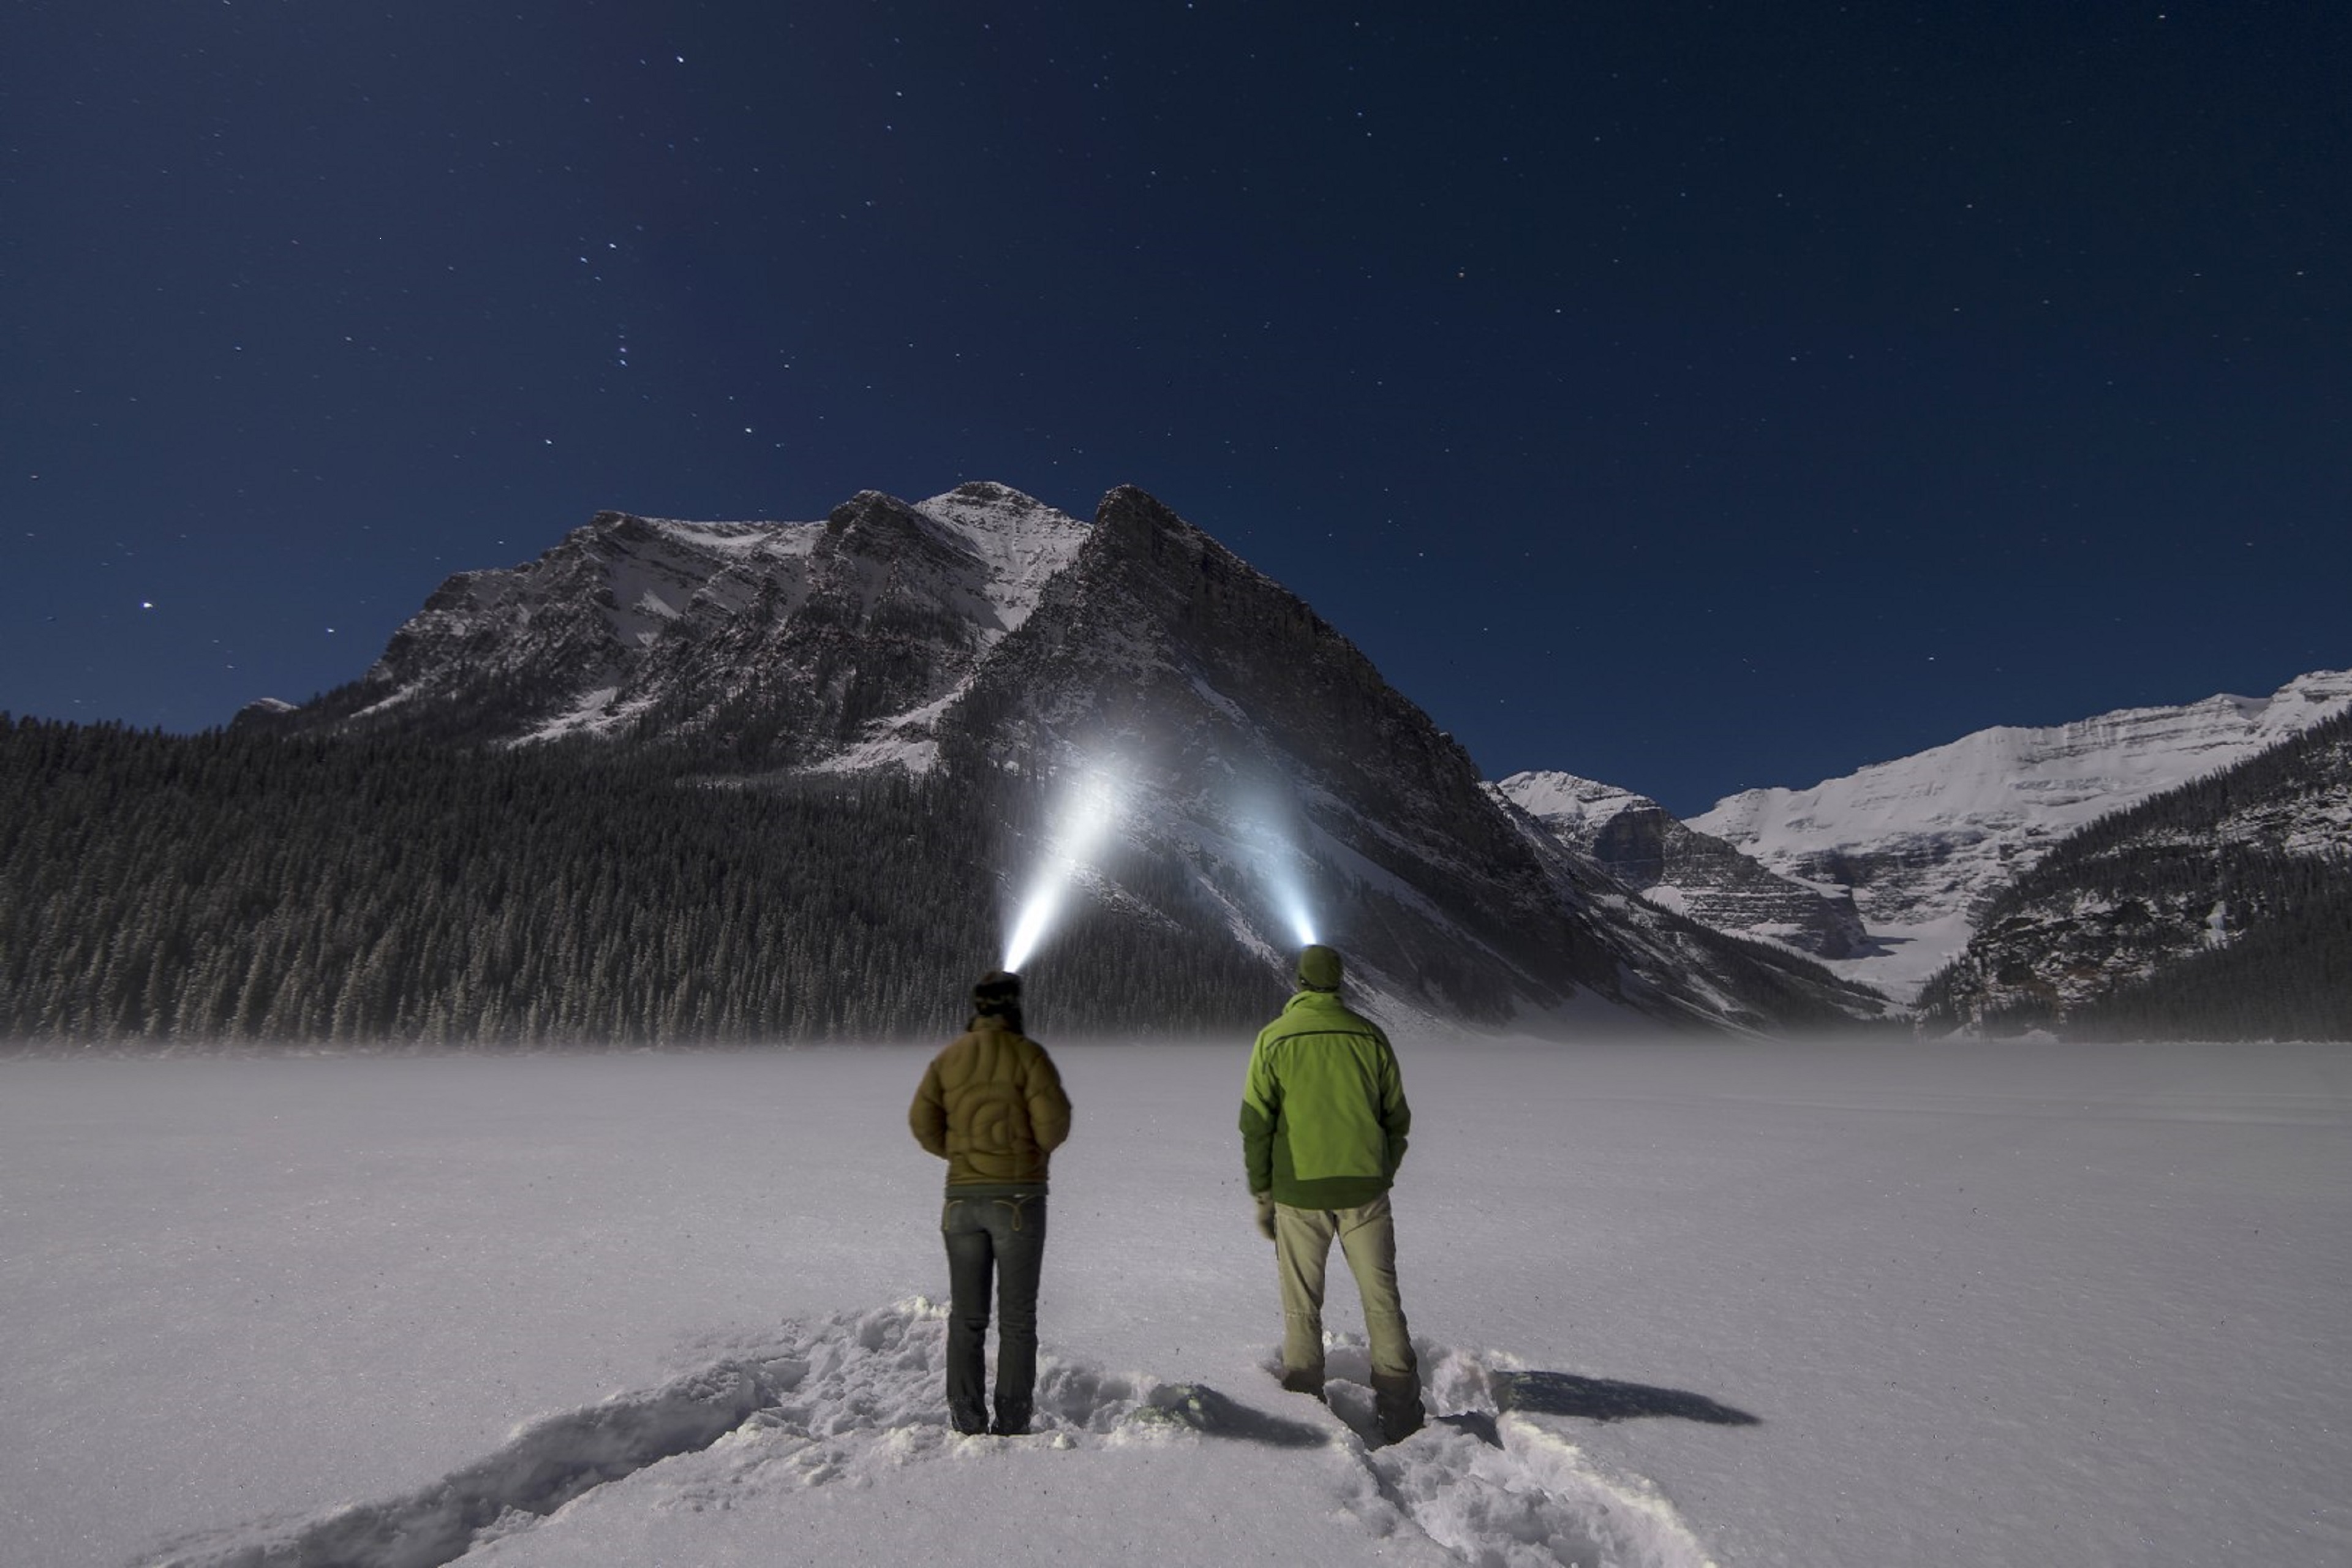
(1261, 1104)
(1049, 1106)
(927, 1116)
(1396, 1116)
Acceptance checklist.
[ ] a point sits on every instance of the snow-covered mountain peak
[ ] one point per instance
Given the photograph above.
(681, 625)
(783, 538)
(981, 637)
(985, 507)
(2046, 781)
(1922, 840)
(1020, 540)
(1566, 801)
(1637, 841)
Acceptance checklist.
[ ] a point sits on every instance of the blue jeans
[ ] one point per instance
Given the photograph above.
(1005, 1236)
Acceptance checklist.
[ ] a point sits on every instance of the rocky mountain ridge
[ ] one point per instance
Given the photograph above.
(1668, 862)
(1923, 843)
(2225, 904)
(1253, 753)
(763, 645)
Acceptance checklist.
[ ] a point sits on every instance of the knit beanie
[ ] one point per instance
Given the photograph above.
(1318, 968)
(997, 992)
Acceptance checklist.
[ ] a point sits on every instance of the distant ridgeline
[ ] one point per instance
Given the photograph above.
(242, 886)
(2221, 910)
(678, 781)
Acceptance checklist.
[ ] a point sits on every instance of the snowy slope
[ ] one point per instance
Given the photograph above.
(866, 622)
(2253, 860)
(1755, 1303)
(1260, 759)
(1922, 841)
(1570, 806)
(1671, 863)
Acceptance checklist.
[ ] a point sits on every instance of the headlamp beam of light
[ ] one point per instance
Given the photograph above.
(1280, 865)
(1088, 810)
(1290, 902)
(1305, 927)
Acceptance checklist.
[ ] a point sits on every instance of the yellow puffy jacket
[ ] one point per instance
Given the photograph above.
(992, 1106)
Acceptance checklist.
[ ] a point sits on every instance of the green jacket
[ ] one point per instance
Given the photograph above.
(1324, 1118)
(992, 1106)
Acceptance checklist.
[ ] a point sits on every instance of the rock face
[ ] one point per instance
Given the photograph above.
(767, 646)
(1643, 845)
(1922, 844)
(1259, 751)
(1248, 759)
(2257, 855)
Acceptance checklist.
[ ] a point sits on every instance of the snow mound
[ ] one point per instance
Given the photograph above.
(852, 1404)
(546, 1464)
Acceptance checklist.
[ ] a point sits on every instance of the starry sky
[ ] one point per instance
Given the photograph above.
(1691, 396)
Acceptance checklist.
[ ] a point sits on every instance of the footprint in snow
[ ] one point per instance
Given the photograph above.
(845, 1400)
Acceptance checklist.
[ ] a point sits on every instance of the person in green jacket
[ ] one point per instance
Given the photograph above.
(992, 1106)
(1324, 1121)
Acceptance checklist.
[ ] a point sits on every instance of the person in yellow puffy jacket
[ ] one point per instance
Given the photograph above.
(992, 1106)
(1324, 1123)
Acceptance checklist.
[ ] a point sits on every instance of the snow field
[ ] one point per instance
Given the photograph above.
(718, 1465)
(1740, 1302)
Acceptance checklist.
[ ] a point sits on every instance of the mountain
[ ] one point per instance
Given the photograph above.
(756, 645)
(1922, 844)
(2222, 908)
(1647, 849)
(1263, 751)
(1241, 754)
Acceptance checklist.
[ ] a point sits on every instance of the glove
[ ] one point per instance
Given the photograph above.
(1265, 1214)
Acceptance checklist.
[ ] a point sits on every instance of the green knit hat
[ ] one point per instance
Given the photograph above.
(1318, 968)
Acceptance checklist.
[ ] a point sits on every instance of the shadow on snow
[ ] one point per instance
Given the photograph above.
(1601, 1399)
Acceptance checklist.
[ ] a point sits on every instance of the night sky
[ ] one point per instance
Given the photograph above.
(1690, 396)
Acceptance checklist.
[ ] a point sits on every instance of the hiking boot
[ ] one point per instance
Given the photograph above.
(1398, 1401)
(1304, 1380)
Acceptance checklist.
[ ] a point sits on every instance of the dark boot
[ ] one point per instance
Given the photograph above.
(1012, 1421)
(967, 1419)
(1398, 1401)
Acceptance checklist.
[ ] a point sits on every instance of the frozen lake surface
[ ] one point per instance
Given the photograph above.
(1798, 1304)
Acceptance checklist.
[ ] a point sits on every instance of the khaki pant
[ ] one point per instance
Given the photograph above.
(1367, 1236)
